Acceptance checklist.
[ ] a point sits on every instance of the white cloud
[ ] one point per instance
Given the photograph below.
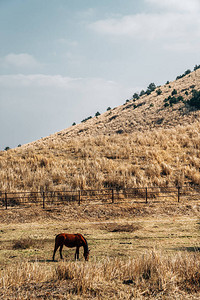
(148, 26)
(96, 87)
(21, 60)
(36, 80)
(179, 24)
(190, 6)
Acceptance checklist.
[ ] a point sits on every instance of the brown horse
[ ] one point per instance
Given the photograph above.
(71, 241)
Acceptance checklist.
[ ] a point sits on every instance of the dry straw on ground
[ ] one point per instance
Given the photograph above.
(152, 275)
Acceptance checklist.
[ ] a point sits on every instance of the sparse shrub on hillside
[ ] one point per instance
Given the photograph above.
(151, 87)
(138, 105)
(136, 96)
(172, 100)
(174, 92)
(180, 98)
(142, 93)
(7, 148)
(148, 92)
(97, 114)
(86, 119)
(187, 72)
(184, 74)
(195, 100)
(74, 124)
(159, 92)
(196, 67)
(109, 108)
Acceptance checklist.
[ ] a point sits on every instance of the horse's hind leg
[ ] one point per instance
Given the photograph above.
(61, 246)
(77, 253)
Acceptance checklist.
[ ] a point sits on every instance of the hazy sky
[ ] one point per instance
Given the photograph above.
(63, 60)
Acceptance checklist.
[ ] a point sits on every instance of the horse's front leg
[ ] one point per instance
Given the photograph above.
(61, 251)
(55, 249)
(77, 253)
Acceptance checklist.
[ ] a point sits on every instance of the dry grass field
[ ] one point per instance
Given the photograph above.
(138, 250)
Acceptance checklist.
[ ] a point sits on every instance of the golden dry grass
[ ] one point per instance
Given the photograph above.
(150, 255)
(150, 276)
(159, 158)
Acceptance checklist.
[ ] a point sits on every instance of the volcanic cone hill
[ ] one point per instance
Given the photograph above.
(153, 139)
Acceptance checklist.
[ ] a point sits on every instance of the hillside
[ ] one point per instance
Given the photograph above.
(146, 113)
(148, 141)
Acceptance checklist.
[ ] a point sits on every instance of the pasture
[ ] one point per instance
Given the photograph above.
(136, 251)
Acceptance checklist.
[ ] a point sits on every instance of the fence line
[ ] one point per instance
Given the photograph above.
(103, 196)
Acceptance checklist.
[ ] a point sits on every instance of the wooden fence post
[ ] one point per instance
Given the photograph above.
(43, 199)
(112, 196)
(179, 193)
(79, 197)
(146, 194)
(6, 200)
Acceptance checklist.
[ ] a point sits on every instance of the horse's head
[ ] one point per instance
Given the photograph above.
(86, 255)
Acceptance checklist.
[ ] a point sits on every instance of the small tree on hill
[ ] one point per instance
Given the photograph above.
(195, 100)
(136, 96)
(174, 92)
(196, 67)
(159, 92)
(150, 88)
(97, 114)
(142, 93)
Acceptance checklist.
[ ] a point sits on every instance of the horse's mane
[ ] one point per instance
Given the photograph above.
(86, 244)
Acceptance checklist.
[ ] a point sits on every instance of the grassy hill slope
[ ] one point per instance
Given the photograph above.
(146, 113)
(148, 141)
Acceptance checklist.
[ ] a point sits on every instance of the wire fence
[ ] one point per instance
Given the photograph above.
(103, 196)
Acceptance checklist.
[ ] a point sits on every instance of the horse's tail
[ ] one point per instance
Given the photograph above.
(58, 239)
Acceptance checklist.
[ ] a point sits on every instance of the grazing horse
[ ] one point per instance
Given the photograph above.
(71, 241)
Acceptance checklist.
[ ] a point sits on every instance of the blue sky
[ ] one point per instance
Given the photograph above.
(62, 60)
